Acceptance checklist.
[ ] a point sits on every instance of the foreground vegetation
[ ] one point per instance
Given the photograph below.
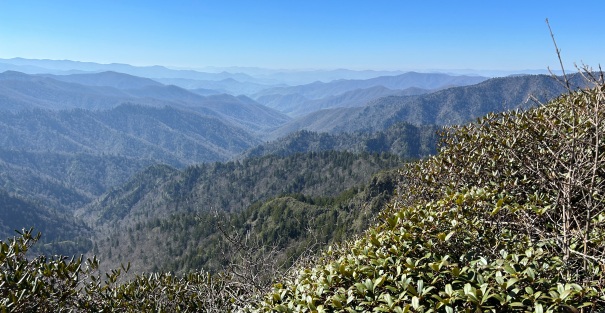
(509, 216)
(61, 284)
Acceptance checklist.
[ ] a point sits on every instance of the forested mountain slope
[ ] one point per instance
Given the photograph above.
(17, 213)
(165, 134)
(64, 181)
(20, 91)
(279, 229)
(405, 140)
(244, 112)
(132, 222)
(233, 186)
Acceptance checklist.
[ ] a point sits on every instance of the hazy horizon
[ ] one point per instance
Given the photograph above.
(355, 35)
(260, 71)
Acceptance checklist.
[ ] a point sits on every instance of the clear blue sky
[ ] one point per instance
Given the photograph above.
(376, 34)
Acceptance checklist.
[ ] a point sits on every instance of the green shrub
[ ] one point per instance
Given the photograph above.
(59, 284)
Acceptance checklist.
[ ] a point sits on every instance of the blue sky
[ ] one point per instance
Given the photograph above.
(310, 34)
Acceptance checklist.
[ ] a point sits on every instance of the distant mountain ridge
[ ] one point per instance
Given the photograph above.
(241, 74)
(107, 79)
(444, 107)
(227, 85)
(305, 99)
(297, 105)
(193, 78)
(107, 90)
(319, 90)
(156, 71)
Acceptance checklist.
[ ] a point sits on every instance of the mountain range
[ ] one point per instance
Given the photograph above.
(329, 196)
(449, 106)
(304, 99)
(121, 156)
(318, 90)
